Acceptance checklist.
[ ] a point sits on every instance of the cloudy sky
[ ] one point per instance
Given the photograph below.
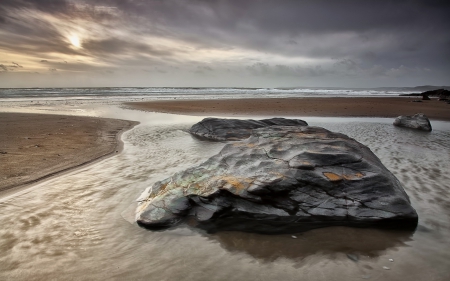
(239, 43)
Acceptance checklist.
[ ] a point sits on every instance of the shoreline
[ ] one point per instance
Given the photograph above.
(106, 132)
(388, 107)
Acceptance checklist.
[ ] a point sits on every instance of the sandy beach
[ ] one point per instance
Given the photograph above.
(324, 107)
(81, 225)
(109, 170)
(37, 146)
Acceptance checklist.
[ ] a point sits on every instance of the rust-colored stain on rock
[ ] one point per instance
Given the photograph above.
(335, 177)
(237, 183)
(332, 177)
(353, 177)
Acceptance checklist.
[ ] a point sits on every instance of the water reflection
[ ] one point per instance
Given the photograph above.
(328, 241)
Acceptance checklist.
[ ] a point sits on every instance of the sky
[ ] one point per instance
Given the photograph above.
(224, 43)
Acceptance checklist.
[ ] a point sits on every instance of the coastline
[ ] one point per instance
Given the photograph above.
(389, 107)
(36, 147)
(55, 222)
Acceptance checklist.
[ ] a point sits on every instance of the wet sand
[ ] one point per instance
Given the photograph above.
(80, 226)
(323, 107)
(38, 146)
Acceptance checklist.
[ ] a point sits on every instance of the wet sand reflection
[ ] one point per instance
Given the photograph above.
(330, 241)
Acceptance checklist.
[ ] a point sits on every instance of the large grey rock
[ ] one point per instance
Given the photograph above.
(282, 179)
(418, 121)
(235, 129)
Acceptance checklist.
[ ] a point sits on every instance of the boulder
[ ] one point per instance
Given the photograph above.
(418, 121)
(437, 93)
(283, 179)
(216, 129)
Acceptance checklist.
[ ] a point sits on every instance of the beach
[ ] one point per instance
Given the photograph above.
(224, 140)
(390, 107)
(80, 225)
(37, 146)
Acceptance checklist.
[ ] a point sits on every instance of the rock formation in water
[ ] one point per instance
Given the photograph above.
(418, 121)
(282, 179)
(217, 129)
(441, 93)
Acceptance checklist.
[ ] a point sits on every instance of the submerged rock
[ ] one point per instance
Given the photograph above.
(282, 179)
(418, 121)
(218, 129)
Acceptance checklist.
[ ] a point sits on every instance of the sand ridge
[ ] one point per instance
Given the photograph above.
(318, 107)
(36, 146)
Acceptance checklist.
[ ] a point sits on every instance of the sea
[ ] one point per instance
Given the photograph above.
(80, 225)
(17, 94)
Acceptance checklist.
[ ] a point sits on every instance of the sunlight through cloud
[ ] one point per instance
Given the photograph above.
(75, 41)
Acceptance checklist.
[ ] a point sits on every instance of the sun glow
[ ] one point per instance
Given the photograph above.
(75, 41)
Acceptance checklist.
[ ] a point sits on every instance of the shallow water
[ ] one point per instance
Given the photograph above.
(79, 226)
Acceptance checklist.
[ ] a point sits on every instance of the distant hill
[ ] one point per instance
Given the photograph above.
(418, 89)
(430, 88)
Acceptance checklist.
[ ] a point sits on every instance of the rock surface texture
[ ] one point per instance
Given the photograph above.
(217, 129)
(282, 179)
(418, 121)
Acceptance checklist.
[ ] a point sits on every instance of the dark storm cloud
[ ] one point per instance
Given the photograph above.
(389, 33)
(274, 26)
(74, 8)
(50, 6)
(289, 17)
(343, 38)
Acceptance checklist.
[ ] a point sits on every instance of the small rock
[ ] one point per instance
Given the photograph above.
(391, 260)
(418, 121)
(353, 257)
(386, 268)
(293, 236)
